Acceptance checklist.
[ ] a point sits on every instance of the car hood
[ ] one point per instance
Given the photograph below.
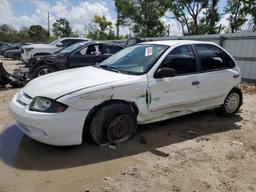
(64, 82)
(41, 46)
(53, 57)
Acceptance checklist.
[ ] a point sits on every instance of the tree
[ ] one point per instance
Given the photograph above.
(250, 9)
(102, 29)
(23, 35)
(196, 16)
(7, 33)
(37, 33)
(143, 15)
(209, 23)
(235, 9)
(61, 28)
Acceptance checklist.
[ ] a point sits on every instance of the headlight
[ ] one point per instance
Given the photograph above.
(42, 104)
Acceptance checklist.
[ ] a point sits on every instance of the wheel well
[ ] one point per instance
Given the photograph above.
(92, 112)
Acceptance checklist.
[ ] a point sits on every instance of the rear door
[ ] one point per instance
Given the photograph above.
(218, 74)
(178, 94)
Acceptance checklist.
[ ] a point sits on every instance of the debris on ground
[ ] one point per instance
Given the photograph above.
(130, 171)
(107, 178)
(249, 88)
(237, 143)
(202, 139)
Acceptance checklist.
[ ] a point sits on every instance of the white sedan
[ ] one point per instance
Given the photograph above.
(149, 82)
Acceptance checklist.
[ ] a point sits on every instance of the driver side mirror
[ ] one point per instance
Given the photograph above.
(164, 72)
(59, 44)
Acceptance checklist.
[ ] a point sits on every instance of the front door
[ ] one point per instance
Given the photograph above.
(86, 56)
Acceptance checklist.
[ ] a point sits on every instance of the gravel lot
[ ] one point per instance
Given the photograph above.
(199, 152)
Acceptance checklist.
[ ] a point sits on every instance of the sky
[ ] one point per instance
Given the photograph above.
(20, 13)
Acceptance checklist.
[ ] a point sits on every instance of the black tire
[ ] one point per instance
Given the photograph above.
(231, 104)
(43, 70)
(113, 123)
(17, 57)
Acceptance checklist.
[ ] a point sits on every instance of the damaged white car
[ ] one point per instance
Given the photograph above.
(149, 82)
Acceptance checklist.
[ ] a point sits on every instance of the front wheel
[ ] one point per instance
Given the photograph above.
(113, 123)
(232, 103)
(43, 70)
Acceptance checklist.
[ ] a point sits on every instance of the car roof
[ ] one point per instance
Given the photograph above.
(74, 38)
(175, 42)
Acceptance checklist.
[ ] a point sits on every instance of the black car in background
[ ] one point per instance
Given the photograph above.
(14, 52)
(78, 55)
(3, 46)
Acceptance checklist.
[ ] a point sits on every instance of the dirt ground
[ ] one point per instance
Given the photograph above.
(199, 152)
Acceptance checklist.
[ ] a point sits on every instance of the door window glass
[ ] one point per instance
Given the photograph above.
(212, 57)
(182, 59)
(112, 49)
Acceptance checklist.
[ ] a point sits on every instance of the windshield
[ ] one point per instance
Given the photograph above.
(73, 47)
(134, 60)
(54, 42)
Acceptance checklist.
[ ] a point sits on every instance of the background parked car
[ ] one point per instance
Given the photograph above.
(78, 55)
(14, 52)
(29, 51)
(3, 46)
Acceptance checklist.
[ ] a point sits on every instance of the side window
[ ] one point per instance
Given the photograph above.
(82, 51)
(109, 49)
(90, 50)
(94, 49)
(182, 59)
(65, 42)
(229, 62)
(211, 57)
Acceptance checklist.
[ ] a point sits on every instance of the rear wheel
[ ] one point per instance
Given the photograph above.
(113, 123)
(43, 70)
(232, 103)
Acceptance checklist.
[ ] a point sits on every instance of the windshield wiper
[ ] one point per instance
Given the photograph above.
(108, 67)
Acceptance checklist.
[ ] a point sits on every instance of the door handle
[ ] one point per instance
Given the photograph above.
(236, 76)
(194, 83)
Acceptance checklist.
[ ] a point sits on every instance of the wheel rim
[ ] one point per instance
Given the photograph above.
(120, 129)
(232, 102)
(45, 71)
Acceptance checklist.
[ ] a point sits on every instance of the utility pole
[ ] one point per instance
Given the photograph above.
(117, 24)
(49, 32)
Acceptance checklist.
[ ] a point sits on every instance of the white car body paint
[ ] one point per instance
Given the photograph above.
(29, 51)
(84, 88)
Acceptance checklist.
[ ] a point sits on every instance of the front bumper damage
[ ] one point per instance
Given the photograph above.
(19, 78)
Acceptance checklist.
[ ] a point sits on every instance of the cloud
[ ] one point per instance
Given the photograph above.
(78, 15)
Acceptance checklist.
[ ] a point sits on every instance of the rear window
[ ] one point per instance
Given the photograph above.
(213, 58)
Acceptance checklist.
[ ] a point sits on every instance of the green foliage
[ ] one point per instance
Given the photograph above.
(196, 16)
(37, 33)
(102, 29)
(7, 33)
(209, 23)
(250, 9)
(61, 28)
(143, 15)
(237, 15)
(239, 11)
